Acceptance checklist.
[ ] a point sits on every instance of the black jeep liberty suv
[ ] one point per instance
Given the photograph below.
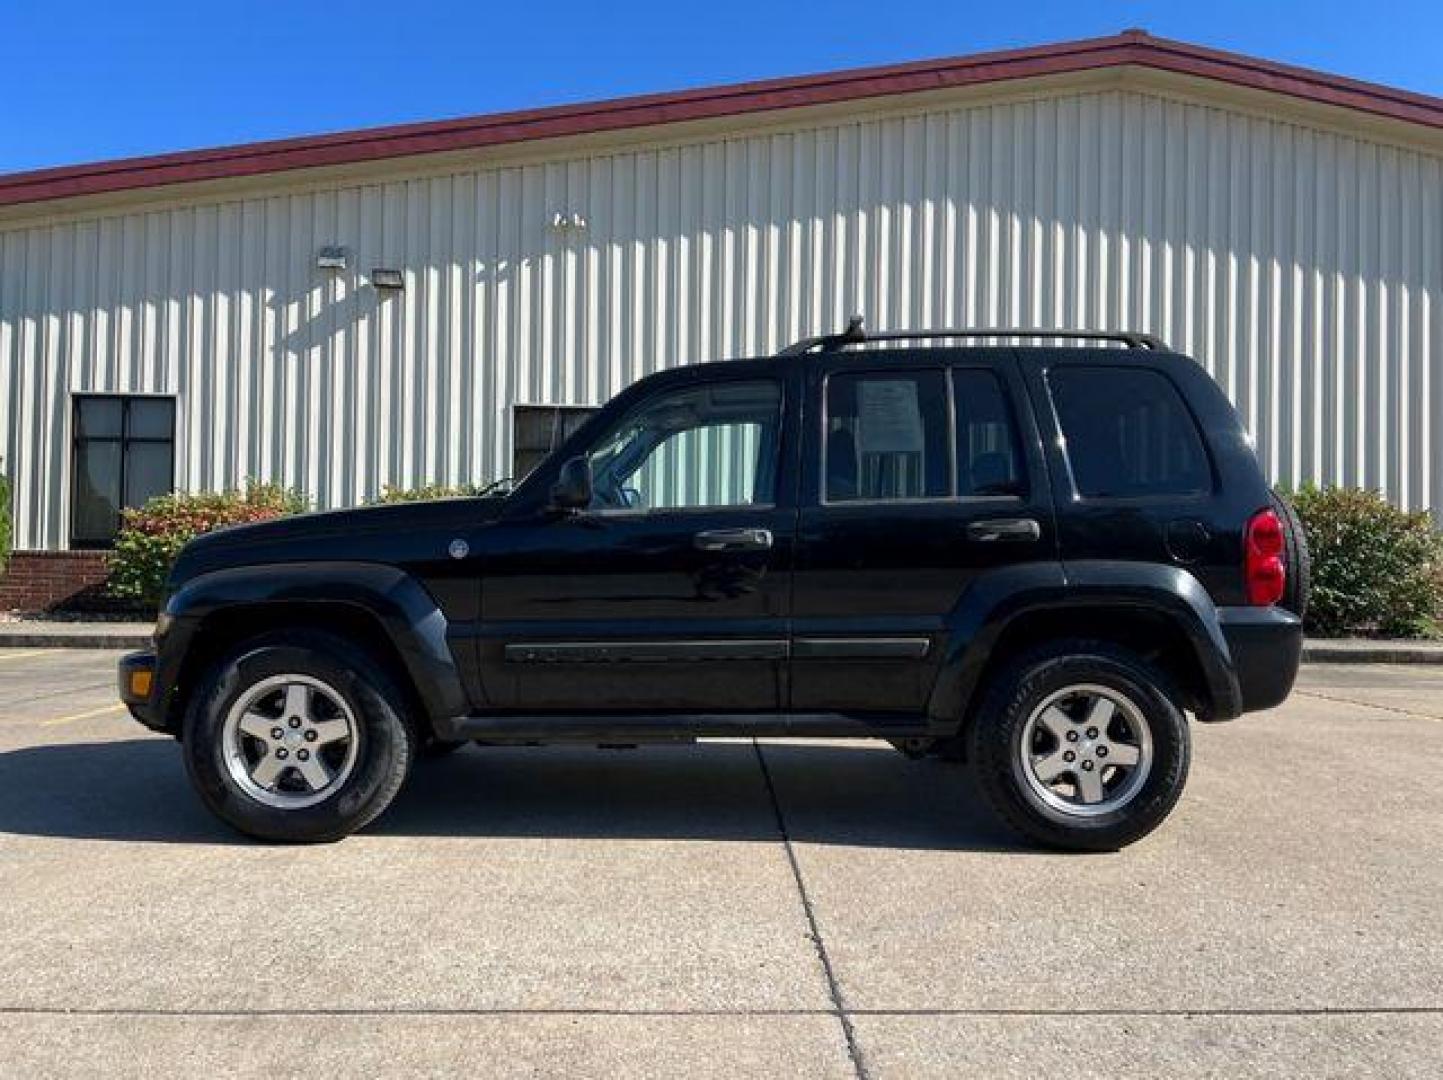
(1036, 559)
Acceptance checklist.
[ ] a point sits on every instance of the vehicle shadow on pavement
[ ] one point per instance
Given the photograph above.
(855, 794)
(131, 789)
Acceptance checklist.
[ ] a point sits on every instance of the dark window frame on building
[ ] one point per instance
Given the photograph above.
(125, 440)
(527, 452)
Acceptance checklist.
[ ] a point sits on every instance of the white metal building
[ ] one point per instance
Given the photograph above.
(184, 320)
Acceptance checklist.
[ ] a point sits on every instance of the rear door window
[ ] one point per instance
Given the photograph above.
(1127, 433)
(887, 437)
(989, 458)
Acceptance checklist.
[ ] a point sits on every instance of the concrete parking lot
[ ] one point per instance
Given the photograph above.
(726, 910)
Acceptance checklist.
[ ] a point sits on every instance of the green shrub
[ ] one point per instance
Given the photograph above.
(1376, 569)
(427, 492)
(6, 532)
(152, 536)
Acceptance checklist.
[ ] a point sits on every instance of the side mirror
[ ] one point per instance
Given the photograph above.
(572, 490)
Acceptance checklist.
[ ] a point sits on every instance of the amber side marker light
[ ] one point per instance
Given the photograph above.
(140, 683)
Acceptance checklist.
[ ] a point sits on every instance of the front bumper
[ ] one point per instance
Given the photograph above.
(1266, 645)
(139, 688)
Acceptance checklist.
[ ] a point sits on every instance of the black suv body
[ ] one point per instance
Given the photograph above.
(1037, 559)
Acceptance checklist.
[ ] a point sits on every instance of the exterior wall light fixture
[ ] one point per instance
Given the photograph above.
(383, 278)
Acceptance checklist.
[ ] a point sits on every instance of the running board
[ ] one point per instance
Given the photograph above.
(668, 727)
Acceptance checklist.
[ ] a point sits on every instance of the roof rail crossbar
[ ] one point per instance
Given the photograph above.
(855, 333)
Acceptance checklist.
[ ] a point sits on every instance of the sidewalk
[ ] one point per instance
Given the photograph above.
(38, 634)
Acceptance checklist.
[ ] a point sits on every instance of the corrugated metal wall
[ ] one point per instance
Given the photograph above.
(1303, 267)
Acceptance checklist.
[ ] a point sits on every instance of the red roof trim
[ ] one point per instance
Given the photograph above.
(374, 144)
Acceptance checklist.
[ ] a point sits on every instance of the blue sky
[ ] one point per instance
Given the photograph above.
(88, 80)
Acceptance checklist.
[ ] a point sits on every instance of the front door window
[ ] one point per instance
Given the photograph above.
(708, 446)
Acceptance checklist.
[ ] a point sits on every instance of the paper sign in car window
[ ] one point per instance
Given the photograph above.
(890, 419)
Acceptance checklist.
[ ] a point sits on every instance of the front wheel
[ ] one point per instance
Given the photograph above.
(297, 737)
(1080, 746)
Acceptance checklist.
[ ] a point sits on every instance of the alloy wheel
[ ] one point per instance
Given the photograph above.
(290, 741)
(1085, 751)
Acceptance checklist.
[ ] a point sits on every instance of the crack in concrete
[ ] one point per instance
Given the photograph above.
(1370, 705)
(423, 1011)
(834, 990)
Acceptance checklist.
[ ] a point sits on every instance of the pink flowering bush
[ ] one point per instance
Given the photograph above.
(152, 536)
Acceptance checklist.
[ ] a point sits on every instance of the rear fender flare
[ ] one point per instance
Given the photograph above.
(995, 601)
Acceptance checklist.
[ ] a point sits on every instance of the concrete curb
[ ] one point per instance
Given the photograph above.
(75, 636)
(137, 636)
(1372, 652)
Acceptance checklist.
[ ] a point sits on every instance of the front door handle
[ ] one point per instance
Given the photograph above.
(733, 540)
(1017, 529)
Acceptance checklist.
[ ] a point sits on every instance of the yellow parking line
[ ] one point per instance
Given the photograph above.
(27, 652)
(82, 715)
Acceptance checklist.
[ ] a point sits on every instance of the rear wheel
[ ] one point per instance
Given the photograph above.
(1080, 746)
(297, 737)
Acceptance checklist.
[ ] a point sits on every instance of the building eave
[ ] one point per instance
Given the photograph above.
(1131, 49)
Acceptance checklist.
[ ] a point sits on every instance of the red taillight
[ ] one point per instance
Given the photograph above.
(1263, 559)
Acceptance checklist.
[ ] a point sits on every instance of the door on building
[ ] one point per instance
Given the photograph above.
(671, 590)
(935, 438)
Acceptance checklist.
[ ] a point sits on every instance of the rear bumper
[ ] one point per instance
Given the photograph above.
(139, 689)
(1266, 646)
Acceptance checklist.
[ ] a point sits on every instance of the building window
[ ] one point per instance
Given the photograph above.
(539, 429)
(124, 454)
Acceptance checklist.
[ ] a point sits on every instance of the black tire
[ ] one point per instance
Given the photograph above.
(384, 745)
(995, 745)
(1296, 557)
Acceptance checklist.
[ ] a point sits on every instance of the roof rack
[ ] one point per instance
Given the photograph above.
(856, 333)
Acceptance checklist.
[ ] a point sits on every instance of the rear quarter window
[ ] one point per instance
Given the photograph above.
(1127, 433)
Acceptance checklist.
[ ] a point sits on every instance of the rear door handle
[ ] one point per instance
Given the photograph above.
(733, 540)
(1016, 529)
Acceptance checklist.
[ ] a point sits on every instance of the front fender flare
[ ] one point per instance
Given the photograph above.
(995, 600)
(406, 612)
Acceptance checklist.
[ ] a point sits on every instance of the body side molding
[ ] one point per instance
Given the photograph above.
(633, 652)
(690, 651)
